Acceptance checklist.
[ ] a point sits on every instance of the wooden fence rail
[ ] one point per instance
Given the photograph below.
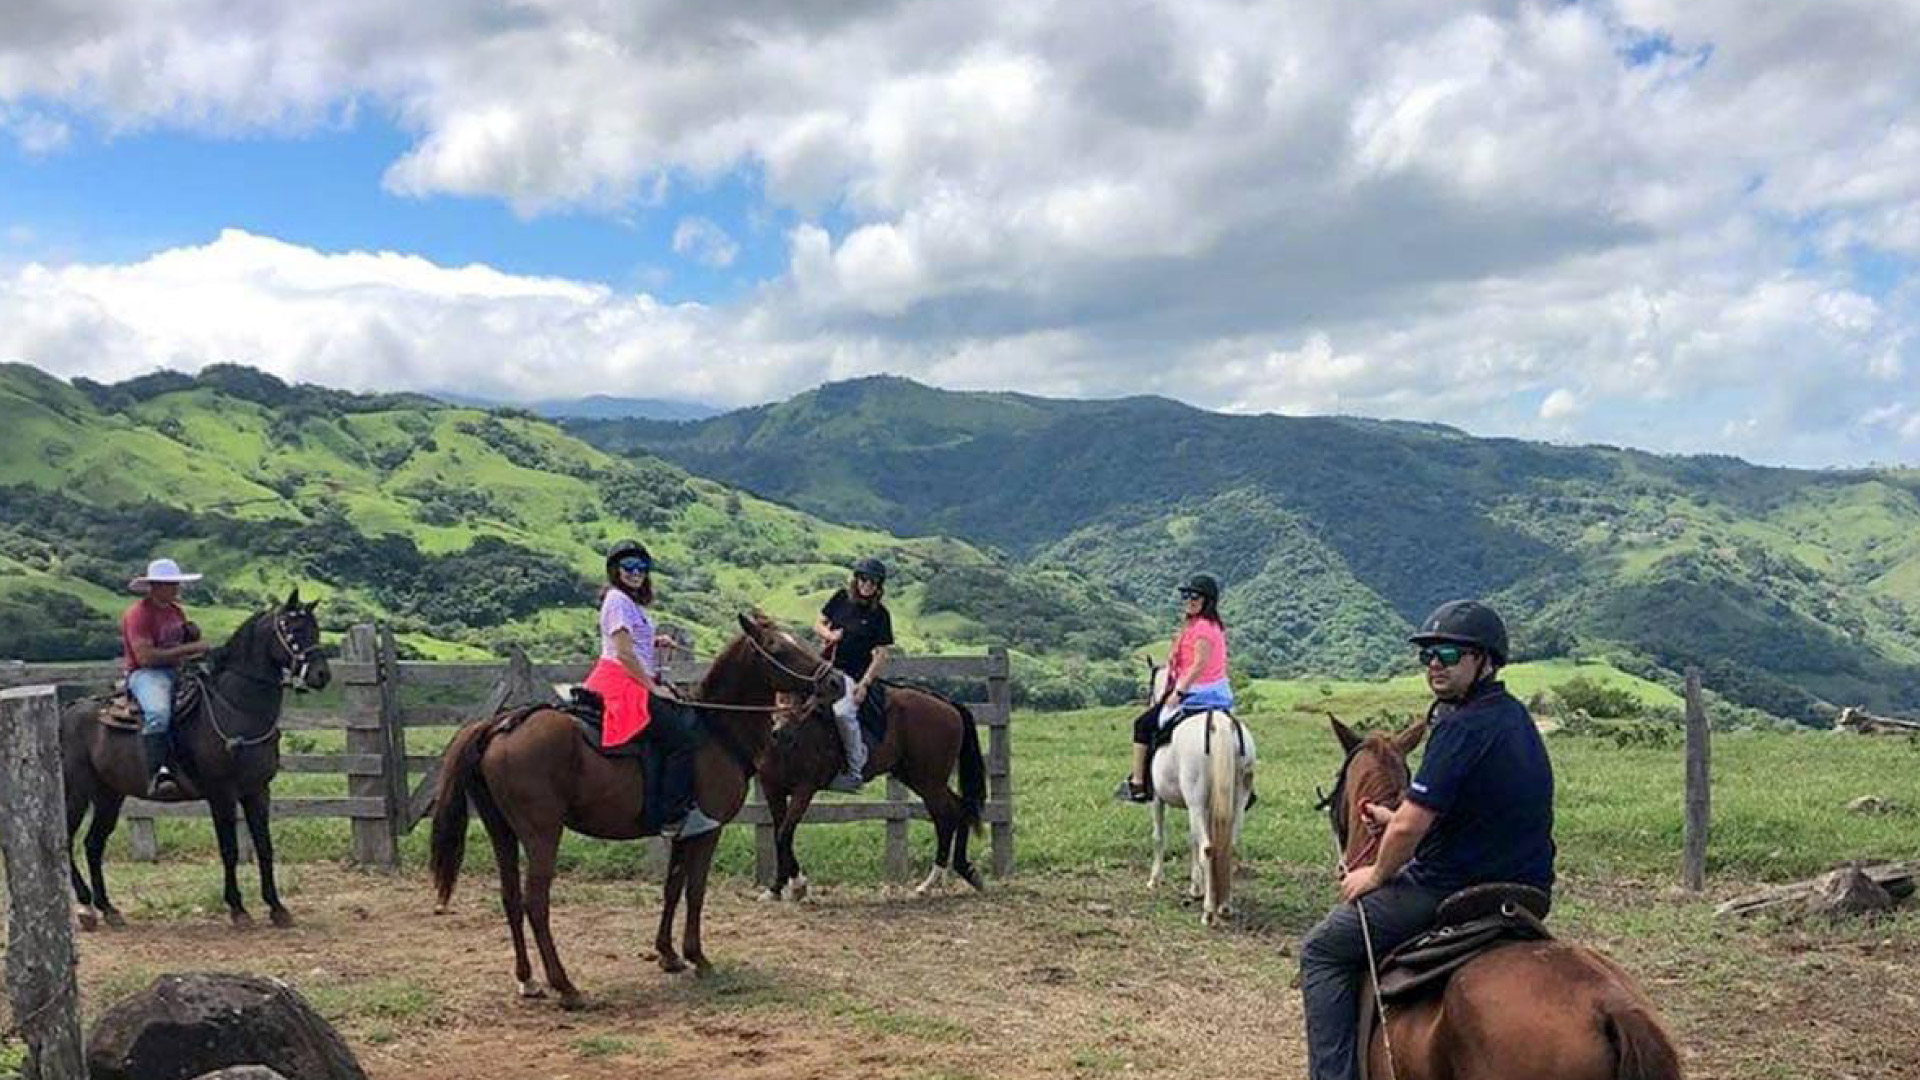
(390, 783)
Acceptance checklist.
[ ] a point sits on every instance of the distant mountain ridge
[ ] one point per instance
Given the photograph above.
(591, 407)
(1795, 591)
(464, 530)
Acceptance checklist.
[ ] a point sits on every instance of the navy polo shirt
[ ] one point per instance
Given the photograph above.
(1486, 776)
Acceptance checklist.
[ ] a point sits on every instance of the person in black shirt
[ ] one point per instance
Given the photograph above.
(1480, 810)
(858, 631)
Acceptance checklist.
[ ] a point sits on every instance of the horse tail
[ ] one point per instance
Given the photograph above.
(973, 769)
(1223, 802)
(460, 781)
(1642, 1049)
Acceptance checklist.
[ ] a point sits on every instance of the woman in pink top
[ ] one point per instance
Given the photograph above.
(634, 702)
(1196, 677)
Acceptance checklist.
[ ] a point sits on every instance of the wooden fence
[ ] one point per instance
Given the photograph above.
(390, 789)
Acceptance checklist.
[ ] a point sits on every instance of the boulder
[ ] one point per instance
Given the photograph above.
(185, 1026)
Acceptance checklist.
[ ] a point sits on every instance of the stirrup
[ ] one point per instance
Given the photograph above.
(1127, 792)
(696, 823)
(847, 783)
(163, 784)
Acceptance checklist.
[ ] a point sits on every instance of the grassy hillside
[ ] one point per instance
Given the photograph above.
(1794, 591)
(463, 529)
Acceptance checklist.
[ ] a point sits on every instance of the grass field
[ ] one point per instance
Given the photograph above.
(1779, 797)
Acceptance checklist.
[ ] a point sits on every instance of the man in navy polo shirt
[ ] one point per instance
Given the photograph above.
(1480, 810)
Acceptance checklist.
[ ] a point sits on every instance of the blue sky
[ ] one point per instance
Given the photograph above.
(1690, 228)
(109, 198)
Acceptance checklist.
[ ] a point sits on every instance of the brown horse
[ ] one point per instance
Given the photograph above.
(229, 740)
(1515, 1012)
(927, 737)
(532, 774)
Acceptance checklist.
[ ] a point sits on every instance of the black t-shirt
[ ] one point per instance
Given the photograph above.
(1486, 775)
(863, 627)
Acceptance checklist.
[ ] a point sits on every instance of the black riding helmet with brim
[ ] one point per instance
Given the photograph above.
(1465, 622)
(872, 569)
(623, 550)
(1204, 585)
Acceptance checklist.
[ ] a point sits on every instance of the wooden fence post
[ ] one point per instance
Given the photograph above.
(896, 858)
(375, 843)
(393, 761)
(1699, 786)
(1000, 759)
(766, 862)
(41, 985)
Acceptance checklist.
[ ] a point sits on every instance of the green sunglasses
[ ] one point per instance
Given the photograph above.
(1448, 655)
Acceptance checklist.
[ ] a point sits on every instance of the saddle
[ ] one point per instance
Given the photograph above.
(588, 714)
(1163, 735)
(120, 711)
(1467, 924)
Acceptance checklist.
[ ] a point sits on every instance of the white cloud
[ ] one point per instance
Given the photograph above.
(1635, 220)
(704, 242)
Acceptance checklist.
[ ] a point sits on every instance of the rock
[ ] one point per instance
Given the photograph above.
(185, 1026)
(243, 1072)
(1847, 891)
(1874, 804)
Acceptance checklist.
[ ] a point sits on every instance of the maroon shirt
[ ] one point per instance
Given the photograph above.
(163, 625)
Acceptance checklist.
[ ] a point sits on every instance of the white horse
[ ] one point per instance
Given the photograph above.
(1208, 769)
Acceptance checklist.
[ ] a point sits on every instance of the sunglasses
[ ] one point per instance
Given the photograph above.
(635, 566)
(865, 580)
(1448, 655)
(1189, 594)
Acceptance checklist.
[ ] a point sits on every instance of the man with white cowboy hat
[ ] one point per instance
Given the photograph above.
(157, 636)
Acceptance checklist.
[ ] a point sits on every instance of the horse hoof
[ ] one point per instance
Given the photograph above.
(529, 989)
(972, 877)
(241, 920)
(115, 920)
(572, 1001)
(281, 918)
(797, 888)
(672, 965)
(89, 919)
(702, 968)
(769, 895)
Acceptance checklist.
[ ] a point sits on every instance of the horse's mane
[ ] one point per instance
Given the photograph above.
(244, 646)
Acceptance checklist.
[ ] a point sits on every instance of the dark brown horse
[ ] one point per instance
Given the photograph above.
(229, 737)
(927, 738)
(1515, 1012)
(531, 775)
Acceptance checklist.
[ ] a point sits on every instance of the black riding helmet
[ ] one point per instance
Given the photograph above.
(1465, 622)
(871, 568)
(622, 549)
(1204, 584)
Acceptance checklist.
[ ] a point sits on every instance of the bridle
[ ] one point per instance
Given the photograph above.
(1335, 804)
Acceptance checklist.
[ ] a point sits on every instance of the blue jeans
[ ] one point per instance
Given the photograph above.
(153, 689)
(1333, 965)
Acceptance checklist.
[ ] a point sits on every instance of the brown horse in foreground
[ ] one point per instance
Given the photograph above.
(1515, 1012)
(533, 779)
(927, 736)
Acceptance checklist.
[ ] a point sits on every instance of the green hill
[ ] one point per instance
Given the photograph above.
(463, 529)
(1794, 591)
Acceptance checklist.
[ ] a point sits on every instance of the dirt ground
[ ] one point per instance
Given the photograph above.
(1054, 977)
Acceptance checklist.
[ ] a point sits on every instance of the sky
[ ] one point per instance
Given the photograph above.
(1689, 227)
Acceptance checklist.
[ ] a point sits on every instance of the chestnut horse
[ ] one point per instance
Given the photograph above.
(927, 737)
(532, 774)
(1515, 1012)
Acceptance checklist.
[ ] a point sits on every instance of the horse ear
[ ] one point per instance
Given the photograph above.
(748, 627)
(1410, 738)
(293, 599)
(1348, 740)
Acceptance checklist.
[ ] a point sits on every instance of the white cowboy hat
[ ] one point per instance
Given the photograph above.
(160, 570)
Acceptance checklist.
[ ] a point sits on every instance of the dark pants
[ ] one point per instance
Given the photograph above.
(1333, 965)
(675, 732)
